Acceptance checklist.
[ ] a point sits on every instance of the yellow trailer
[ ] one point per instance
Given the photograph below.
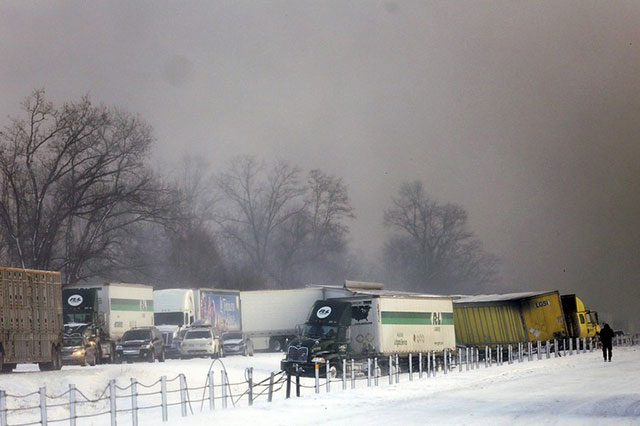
(543, 316)
(501, 319)
(491, 324)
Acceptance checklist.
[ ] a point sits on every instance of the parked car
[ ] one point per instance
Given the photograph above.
(200, 341)
(142, 343)
(235, 343)
(77, 350)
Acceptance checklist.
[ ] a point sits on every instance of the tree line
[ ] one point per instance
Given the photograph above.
(78, 194)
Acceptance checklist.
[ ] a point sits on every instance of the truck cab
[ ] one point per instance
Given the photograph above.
(174, 311)
(581, 322)
(81, 315)
(325, 337)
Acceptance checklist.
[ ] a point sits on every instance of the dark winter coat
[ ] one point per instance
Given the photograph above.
(606, 336)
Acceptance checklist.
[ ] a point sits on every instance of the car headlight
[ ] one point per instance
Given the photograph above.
(319, 360)
(118, 347)
(78, 352)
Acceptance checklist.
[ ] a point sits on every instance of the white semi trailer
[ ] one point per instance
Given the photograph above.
(270, 318)
(371, 324)
(121, 306)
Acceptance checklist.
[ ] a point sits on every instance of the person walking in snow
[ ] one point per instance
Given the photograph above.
(606, 338)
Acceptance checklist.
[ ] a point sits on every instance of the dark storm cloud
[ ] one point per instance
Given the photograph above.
(526, 113)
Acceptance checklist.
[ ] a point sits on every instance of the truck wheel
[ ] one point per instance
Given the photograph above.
(333, 371)
(275, 345)
(57, 358)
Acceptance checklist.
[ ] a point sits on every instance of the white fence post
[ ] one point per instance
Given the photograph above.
(368, 372)
(134, 403)
(316, 370)
(390, 370)
(353, 375)
(183, 395)
(420, 365)
(328, 374)
(163, 395)
(112, 401)
(344, 374)
(72, 405)
(466, 359)
(3, 408)
(43, 406)
(375, 371)
(250, 384)
(223, 384)
(446, 364)
(397, 369)
(212, 392)
(434, 364)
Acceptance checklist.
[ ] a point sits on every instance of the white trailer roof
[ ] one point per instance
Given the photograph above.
(497, 297)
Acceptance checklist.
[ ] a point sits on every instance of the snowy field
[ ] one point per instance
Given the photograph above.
(579, 390)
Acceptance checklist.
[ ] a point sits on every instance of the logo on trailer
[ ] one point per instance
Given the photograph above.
(323, 312)
(75, 300)
(436, 318)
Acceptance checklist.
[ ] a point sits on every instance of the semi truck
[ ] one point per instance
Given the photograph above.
(503, 319)
(30, 319)
(270, 317)
(103, 312)
(367, 325)
(174, 310)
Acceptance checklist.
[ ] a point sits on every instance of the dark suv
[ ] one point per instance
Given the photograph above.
(142, 343)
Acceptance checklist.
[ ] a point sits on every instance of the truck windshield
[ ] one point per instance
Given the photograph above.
(168, 318)
(73, 317)
(318, 330)
(136, 335)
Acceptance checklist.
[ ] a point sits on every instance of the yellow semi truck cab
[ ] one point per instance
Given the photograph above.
(581, 322)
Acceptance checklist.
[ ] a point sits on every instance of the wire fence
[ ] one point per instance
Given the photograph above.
(116, 402)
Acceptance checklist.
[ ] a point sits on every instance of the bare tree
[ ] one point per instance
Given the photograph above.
(255, 202)
(434, 251)
(306, 243)
(72, 180)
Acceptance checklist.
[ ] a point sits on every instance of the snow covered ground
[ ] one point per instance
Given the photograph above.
(579, 389)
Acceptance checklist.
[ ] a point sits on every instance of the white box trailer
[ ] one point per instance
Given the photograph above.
(270, 317)
(392, 324)
(371, 323)
(122, 306)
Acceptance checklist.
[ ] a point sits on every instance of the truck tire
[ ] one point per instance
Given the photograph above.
(275, 345)
(5, 368)
(55, 363)
(334, 371)
(57, 358)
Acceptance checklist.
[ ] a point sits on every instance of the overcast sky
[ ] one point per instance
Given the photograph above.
(525, 113)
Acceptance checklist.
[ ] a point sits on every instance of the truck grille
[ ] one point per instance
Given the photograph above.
(168, 338)
(297, 354)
